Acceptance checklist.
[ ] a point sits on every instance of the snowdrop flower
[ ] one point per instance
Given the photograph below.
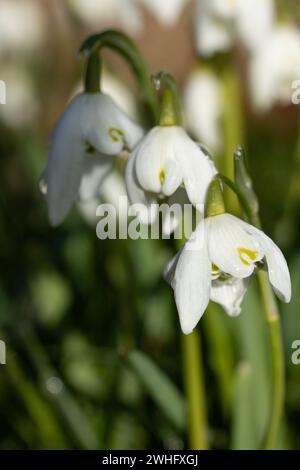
(22, 25)
(274, 67)
(165, 159)
(220, 22)
(166, 11)
(126, 13)
(203, 107)
(91, 126)
(216, 264)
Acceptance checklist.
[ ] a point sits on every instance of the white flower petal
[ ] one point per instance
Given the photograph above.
(274, 67)
(153, 156)
(212, 34)
(137, 195)
(96, 168)
(106, 127)
(198, 170)
(255, 19)
(169, 271)
(229, 294)
(65, 163)
(192, 281)
(231, 248)
(87, 209)
(172, 178)
(277, 266)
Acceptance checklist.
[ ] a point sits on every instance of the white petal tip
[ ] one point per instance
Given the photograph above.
(186, 331)
(55, 219)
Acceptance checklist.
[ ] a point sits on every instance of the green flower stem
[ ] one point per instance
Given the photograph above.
(277, 367)
(92, 74)
(275, 336)
(232, 126)
(121, 44)
(221, 354)
(193, 377)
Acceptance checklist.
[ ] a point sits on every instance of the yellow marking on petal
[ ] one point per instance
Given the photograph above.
(162, 176)
(214, 269)
(251, 254)
(115, 134)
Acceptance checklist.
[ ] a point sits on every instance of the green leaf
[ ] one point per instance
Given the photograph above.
(244, 434)
(165, 394)
(253, 346)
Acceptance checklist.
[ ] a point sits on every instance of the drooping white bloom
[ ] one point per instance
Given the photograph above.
(166, 11)
(274, 67)
(216, 264)
(124, 13)
(91, 126)
(165, 159)
(22, 26)
(203, 108)
(219, 23)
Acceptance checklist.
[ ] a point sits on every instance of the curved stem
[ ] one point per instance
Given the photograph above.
(193, 377)
(92, 74)
(242, 198)
(120, 43)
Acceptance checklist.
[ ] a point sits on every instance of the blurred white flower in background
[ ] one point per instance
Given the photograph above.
(221, 23)
(274, 67)
(127, 14)
(111, 191)
(202, 103)
(100, 13)
(22, 26)
(22, 104)
(166, 11)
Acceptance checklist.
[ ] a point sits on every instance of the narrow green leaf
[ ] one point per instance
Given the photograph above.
(244, 435)
(165, 394)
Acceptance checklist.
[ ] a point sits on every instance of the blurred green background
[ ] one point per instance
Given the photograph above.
(91, 329)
